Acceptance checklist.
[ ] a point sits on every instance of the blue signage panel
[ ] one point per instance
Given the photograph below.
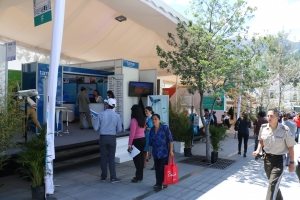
(131, 64)
(42, 81)
(93, 72)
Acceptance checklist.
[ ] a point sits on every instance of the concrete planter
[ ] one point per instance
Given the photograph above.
(178, 147)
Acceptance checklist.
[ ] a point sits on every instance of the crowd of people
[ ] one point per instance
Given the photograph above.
(83, 101)
(275, 136)
(147, 134)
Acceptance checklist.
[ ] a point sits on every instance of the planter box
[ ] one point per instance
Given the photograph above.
(178, 147)
(188, 152)
(214, 156)
(38, 193)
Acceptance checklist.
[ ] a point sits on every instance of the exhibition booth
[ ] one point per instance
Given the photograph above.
(123, 77)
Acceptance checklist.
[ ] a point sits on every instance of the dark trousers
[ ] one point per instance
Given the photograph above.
(159, 165)
(85, 116)
(255, 142)
(240, 139)
(297, 135)
(227, 123)
(107, 151)
(139, 159)
(273, 165)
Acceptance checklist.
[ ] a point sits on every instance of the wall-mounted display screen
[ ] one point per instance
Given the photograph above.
(140, 89)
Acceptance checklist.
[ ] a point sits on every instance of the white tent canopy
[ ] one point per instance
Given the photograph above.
(91, 32)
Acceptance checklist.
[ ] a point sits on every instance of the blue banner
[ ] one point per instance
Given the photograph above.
(131, 64)
(42, 74)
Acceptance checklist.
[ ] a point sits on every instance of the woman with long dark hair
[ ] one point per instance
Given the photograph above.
(137, 138)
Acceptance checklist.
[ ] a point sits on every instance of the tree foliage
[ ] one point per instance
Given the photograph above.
(11, 123)
(210, 54)
(283, 63)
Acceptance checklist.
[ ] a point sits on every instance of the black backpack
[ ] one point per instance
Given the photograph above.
(237, 123)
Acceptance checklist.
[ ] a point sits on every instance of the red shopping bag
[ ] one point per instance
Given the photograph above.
(170, 173)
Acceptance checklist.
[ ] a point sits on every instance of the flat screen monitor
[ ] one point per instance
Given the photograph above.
(140, 89)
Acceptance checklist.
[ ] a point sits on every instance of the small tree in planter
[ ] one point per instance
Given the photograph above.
(181, 129)
(217, 134)
(32, 160)
(11, 123)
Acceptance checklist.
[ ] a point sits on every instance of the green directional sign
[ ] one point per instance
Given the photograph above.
(208, 102)
(42, 11)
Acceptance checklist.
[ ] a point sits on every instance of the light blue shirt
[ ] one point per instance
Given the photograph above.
(292, 126)
(109, 122)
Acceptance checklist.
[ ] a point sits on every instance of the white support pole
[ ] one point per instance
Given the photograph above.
(57, 34)
(239, 107)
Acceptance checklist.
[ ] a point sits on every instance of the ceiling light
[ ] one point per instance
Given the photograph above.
(121, 18)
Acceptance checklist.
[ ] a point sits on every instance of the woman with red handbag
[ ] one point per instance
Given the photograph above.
(161, 140)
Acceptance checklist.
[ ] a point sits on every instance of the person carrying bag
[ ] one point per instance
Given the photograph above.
(161, 141)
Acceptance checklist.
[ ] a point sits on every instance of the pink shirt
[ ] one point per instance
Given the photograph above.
(135, 131)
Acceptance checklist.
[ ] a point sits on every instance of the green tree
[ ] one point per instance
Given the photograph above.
(207, 55)
(283, 62)
(250, 72)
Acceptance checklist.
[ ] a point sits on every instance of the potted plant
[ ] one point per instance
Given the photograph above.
(217, 134)
(32, 160)
(181, 129)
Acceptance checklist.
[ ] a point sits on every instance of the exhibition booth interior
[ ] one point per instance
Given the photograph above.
(123, 77)
(70, 81)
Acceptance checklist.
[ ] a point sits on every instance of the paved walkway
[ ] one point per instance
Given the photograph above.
(244, 179)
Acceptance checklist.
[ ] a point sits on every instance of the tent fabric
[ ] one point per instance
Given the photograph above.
(91, 32)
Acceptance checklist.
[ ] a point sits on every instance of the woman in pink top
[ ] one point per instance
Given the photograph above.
(137, 138)
(297, 121)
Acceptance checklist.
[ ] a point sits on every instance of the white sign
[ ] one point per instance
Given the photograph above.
(11, 51)
(41, 6)
(134, 152)
(42, 11)
(160, 105)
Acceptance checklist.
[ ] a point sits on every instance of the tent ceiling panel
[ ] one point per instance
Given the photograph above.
(91, 32)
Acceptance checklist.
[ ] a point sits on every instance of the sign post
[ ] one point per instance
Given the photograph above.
(57, 35)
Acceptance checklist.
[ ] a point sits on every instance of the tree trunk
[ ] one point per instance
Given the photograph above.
(207, 136)
(280, 96)
(206, 128)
